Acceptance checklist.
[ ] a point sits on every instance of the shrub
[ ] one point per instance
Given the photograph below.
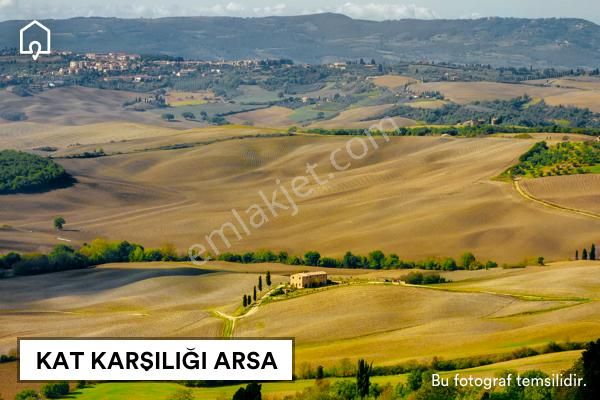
(55, 390)
(419, 278)
(27, 394)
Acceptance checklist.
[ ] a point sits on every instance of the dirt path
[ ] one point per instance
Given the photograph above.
(548, 204)
(230, 319)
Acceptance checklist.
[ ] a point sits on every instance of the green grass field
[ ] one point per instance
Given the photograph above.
(162, 391)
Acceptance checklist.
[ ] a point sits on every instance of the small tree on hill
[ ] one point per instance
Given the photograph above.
(593, 252)
(168, 117)
(584, 255)
(245, 302)
(59, 223)
(260, 283)
(254, 294)
(268, 280)
(540, 261)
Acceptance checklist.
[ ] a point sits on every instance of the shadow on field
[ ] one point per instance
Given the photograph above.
(17, 290)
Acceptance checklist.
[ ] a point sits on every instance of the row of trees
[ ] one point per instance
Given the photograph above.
(585, 255)
(99, 251)
(467, 130)
(374, 260)
(520, 111)
(247, 300)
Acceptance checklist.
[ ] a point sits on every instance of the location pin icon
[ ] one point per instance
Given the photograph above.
(35, 53)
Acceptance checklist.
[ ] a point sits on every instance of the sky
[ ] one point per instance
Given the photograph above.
(373, 10)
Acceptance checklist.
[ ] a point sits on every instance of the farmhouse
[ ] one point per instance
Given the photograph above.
(308, 279)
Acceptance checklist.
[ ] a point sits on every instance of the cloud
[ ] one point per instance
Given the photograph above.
(379, 11)
(6, 3)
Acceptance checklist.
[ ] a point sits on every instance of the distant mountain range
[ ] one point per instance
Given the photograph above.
(333, 37)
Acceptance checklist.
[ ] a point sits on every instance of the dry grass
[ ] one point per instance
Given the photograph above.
(157, 299)
(272, 117)
(74, 106)
(393, 81)
(116, 137)
(432, 195)
(580, 98)
(468, 92)
(574, 191)
(177, 98)
(583, 83)
(361, 117)
(428, 104)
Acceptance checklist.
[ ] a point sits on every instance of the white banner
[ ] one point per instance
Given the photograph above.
(155, 359)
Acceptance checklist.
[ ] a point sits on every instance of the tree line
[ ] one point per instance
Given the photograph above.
(464, 130)
(99, 251)
(374, 260)
(520, 111)
(585, 255)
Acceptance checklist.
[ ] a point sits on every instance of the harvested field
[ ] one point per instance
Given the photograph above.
(581, 192)
(468, 92)
(272, 117)
(154, 300)
(393, 81)
(424, 190)
(361, 117)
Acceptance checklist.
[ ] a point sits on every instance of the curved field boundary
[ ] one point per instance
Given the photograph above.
(548, 204)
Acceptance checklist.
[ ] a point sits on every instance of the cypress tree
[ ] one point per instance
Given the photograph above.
(593, 252)
(584, 254)
(245, 303)
(268, 280)
(576, 255)
(254, 294)
(362, 378)
(260, 283)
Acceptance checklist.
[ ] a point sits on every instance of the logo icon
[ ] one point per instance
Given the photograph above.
(35, 47)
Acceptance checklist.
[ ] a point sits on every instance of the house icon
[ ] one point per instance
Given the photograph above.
(35, 47)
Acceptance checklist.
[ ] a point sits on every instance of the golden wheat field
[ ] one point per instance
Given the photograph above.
(417, 197)
(574, 191)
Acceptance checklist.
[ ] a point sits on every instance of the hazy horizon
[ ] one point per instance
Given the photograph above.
(377, 11)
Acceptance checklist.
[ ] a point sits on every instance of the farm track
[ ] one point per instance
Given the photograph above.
(555, 206)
